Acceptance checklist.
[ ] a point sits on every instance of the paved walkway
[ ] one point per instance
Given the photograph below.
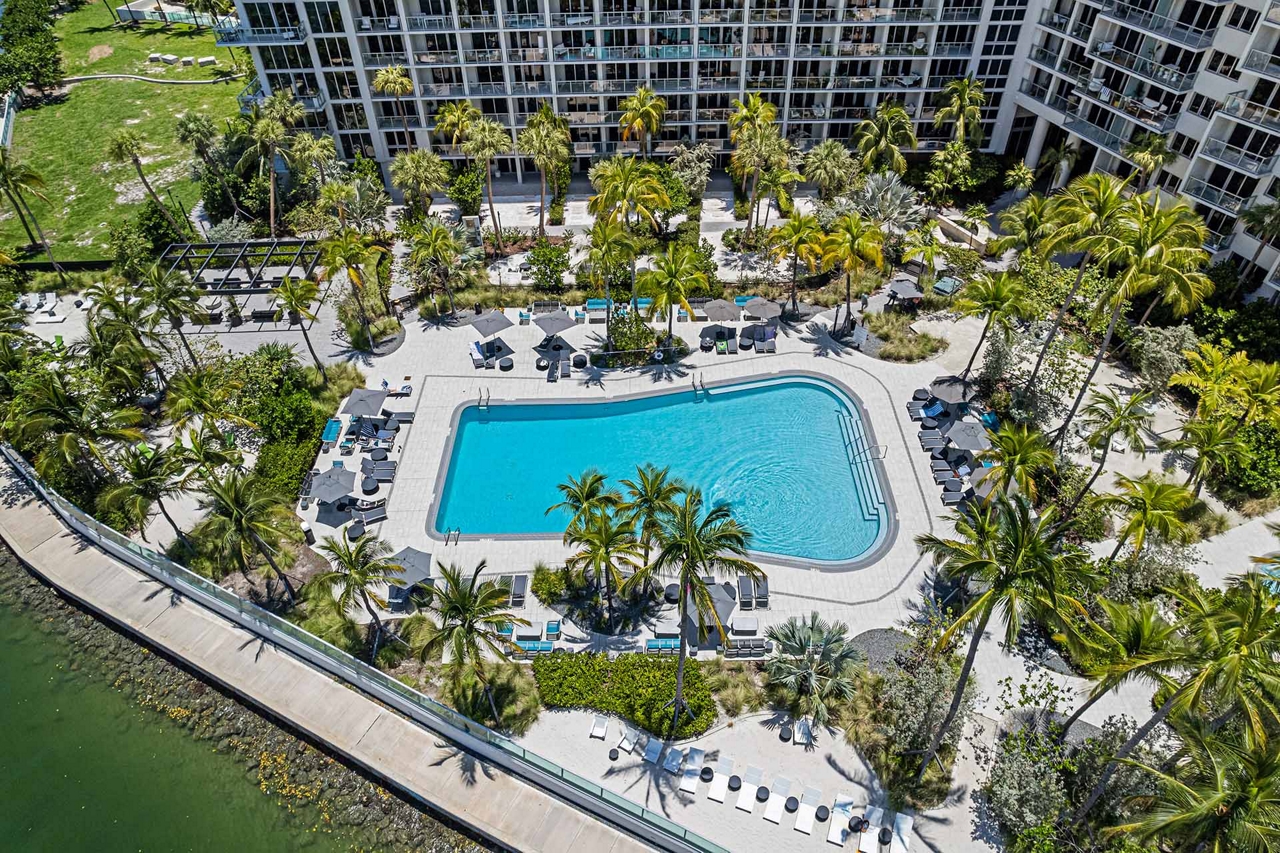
(477, 794)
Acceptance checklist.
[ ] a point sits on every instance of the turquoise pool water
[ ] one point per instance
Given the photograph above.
(778, 451)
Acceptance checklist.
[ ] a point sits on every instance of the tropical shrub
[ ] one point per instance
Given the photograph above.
(1260, 476)
(555, 212)
(741, 209)
(547, 265)
(1157, 352)
(282, 465)
(898, 341)
(467, 190)
(549, 585)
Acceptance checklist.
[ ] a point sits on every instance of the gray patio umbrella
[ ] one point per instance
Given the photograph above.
(953, 389)
(710, 332)
(763, 308)
(365, 402)
(490, 323)
(723, 599)
(721, 309)
(554, 323)
(416, 565)
(984, 484)
(328, 486)
(967, 435)
(905, 288)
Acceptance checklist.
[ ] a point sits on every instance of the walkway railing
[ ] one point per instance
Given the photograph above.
(489, 745)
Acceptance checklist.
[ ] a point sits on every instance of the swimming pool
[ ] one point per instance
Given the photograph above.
(789, 454)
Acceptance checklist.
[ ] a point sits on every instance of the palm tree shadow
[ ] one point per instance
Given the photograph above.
(667, 372)
(868, 783)
(824, 344)
(467, 763)
(659, 783)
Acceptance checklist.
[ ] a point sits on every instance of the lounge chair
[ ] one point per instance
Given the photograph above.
(671, 763)
(747, 795)
(777, 799)
(652, 749)
(771, 345)
(746, 593)
(732, 346)
(939, 465)
(599, 727)
(929, 433)
(841, 814)
(564, 368)
(373, 516)
(762, 594)
(954, 498)
(720, 781)
(477, 359)
(519, 589)
(692, 770)
(628, 740)
(804, 734)
(941, 477)
(902, 824)
(553, 372)
(809, 802)
(722, 347)
(868, 843)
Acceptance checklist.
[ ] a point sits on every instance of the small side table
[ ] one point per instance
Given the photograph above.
(762, 794)
(355, 531)
(613, 754)
(378, 454)
(784, 734)
(506, 364)
(792, 804)
(929, 423)
(707, 774)
(822, 814)
(735, 783)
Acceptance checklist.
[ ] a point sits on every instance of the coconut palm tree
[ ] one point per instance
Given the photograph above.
(626, 186)
(199, 132)
(359, 573)
(119, 356)
(468, 618)
(1260, 394)
(973, 218)
(1107, 416)
(1157, 248)
(485, 140)
(17, 181)
(283, 107)
(642, 114)
(753, 115)
(204, 452)
(776, 184)
(1018, 452)
(672, 279)
(318, 152)
(202, 393)
(695, 545)
(1216, 378)
(349, 252)
(454, 121)
(1217, 449)
(71, 426)
(612, 246)
(1000, 299)
(548, 147)
(1261, 220)
(800, 240)
(295, 296)
(243, 516)
(338, 197)
(395, 81)
(1150, 152)
(439, 249)
(582, 496)
(961, 102)
(830, 167)
(126, 146)
(1016, 566)
(1019, 178)
(1026, 227)
(1064, 155)
(1148, 506)
(814, 661)
(1091, 206)
(651, 496)
(922, 245)
(151, 477)
(172, 294)
(418, 174)
(852, 243)
(608, 551)
(759, 151)
(268, 139)
(880, 139)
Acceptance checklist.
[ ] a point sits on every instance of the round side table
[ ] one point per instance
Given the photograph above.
(784, 734)
(792, 804)
(822, 814)
(762, 794)
(613, 754)
(707, 774)
(355, 531)
(506, 364)
(735, 783)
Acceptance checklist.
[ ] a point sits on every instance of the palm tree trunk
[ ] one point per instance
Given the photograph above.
(608, 315)
(1119, 545)
(182, 537)
(542, 204)
(751, 206)
(48, 250)
(957, 698)
(271, 206)
(493, 213)
(324, 377)
(608, 598)
(265, 552)
(404, 119)
(981, 338)
(1084, 389)
(364, 316)
(848, 298)
(1071, 510)
(795, 271)
(1129, 746)
(1075, 715)
(1057, 322)
(17, 208)
(678, 700)
(137, 165)
(377, 624)
(185, 343)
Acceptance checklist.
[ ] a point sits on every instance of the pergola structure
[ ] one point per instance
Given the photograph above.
(257, 266)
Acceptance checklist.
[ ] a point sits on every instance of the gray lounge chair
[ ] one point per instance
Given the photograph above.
(942, 476)
(771, 345)
(733, 346)
(553, 372)
(384, 475)
(939, 465)
(564, 368)
(372, 516)
(953, 498)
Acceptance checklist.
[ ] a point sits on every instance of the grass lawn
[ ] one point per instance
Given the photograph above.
(66, 138)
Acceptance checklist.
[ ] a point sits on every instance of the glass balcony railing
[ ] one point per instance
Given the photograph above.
(1216, 242)
(429, 23)
(398, 123)
(757, 50)
(1148, 113)
(1162, 26)
(491, 54)
(442, 90)
(720, 16)
(1238, 106)
(1040, 92)
(1245, 161)
(436, 57)
(574, 19)
(1263, 62)
(1166, 76)
(237, 35)
(1219, 198)
(770, 16)
(478, 22)
(384, 59)
(524, 21)
(719, 51)
(1109, 140)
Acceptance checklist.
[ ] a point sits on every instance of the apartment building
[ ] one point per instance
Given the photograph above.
(1101, 73)
(826, 64)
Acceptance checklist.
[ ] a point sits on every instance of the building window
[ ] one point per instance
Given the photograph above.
(350, 116)
(356, 144)
(1224, 64)
(1202, 106)
(1182, 144)
(1168, 181)
(342, 84)
(334, 52)
(324, 18)
(1242, 18)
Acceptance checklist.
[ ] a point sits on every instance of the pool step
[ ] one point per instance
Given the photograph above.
(865, 478)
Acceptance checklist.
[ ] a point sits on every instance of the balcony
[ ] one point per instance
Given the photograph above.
(591, 87)
(770, 16)
(398, 123)
(672, 84)
(442, 90)
(524, 21)
(252, 95)
(563, 20)
(958, 15)
(488, 54)
(429, 23)
(850, 113)
(1263, 62)
(814, 50)
(1113, 142)
(720, 16)
(1219, 198)
(715, 114)
(809, 16)
(531, 87)
(520, 55)
(953, 48)
(718, 84)
(1229, 155)
(490, 88)
(673, 16)
(591, 117)
(478, 22)
(622, 19)
(1040, 92)
(232, 35)
(1165, 76)
(1144, 111)
(919, 47)
(586, 148)
(634, 51)
(1215, 242)
(768, 50)
(669, 51)
(877, 15)
(719, 51)
(1056, 21)
(1161, 26)
(818, 113)
(1237, 106)
(437, 57)
(384, 59)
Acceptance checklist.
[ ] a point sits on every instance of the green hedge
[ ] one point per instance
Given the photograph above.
(635, 687)
(281, 465)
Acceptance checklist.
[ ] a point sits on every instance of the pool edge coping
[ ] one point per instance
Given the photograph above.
(884, 542)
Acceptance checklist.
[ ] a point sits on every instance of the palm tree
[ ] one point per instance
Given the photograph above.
(295, 296)
(1217, 449)
(650, 497)
(972, 218)
(776, 184)
(1156, 248)
(438, 248)
(172, 294)
(1019, 178)
(204, 452)
(1016, 566)
(751, 116)
(359, 572)
(626, 186)
(695, 546)
(1215, 376)
(268, 140)
(923, 245)
(608, 548)
(1001, 300)
(547, 146)
(243, 516)
(961, 102)
(852, 243)
(201, 393)
(454, 120)
(587, 494)
(468, 620)
(1261, 219)
(1150, 152)
(395, 81)
(1091, 206)
(1260, 393)
(800, 239)
(485, 140)
(315, 151)
(759, 146)
(126, 147)
(152, 477)
(1018, 452)
(338, 196)
(642, 115)
(17, 180)
(349, 251)
(1057, 157)
(887, 200)
(1149, 506)
(418, 174)
(611, 246)
(281, 106)
(73, 426)
(1026, 227)
(1106, 417)
(200, 133)
(672, 279)
(880, 139)
(814, 661)
(830, 167)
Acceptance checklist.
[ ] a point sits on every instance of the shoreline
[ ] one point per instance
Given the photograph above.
(316, 790)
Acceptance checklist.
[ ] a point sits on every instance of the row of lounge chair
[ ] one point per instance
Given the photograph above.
(747, 647)
(752, 594)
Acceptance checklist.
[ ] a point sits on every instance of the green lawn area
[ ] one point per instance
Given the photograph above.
(66, 139)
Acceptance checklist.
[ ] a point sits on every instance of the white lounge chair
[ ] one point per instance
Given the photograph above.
(671, 763)
(841, 814)
(628, 741)
(902, 824)
(720, 782)
(652, 750)
(868, 843)
(750, 782)
(477, 359)
(809, 802)
(692, 770)
(777, 799)
(599, 727)
(804, 733)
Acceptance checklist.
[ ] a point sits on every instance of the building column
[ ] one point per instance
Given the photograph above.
(1036, 146)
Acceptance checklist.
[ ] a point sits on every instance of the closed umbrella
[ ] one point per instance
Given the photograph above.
(328, 486)
(719, 310)
(763, 308)
(491, 323)
(554, 323)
